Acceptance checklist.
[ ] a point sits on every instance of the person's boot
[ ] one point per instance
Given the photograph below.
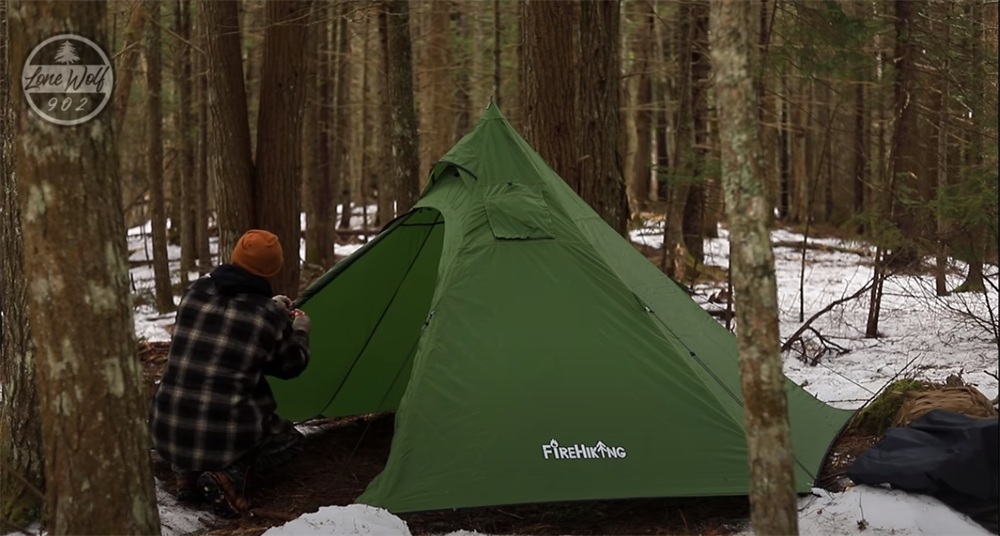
(188, 491)
(224, 491)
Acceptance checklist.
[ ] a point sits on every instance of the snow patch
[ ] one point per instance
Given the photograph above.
(354, 519)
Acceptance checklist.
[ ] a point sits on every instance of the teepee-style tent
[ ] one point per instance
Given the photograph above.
(530, 352)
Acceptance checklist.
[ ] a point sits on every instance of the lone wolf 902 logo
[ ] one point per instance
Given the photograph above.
(67, 79)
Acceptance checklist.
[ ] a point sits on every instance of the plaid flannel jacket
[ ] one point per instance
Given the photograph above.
(213, 404)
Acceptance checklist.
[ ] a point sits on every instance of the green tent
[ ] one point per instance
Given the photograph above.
(530, 352)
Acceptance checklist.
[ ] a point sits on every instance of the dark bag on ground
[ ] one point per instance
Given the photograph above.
(946, 455)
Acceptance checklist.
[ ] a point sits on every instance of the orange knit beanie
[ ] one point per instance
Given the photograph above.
(259, 253)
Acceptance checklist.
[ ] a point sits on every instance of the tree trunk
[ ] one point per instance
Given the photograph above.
(318, 196)
(366, 126)
(232, 160)
(188, 200)
(277, 188)
(201, 206)
(125, 69)
(154, 162)
(907, 172)
(979, 239)
(602, 184)
(21, 467)
(661, 143)
(383, 141)
(549, 84)
(772, 485)
(405, 167)
(497, 54)
(881, 204)
(860, 155)
(694, 209)
(642, 158)
(439, 90)
(463, 91)
(941, 164)
(342, 145)
(96, 447)
(684, 173)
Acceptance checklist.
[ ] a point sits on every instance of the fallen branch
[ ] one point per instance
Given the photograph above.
(798, 333)
(826, 346)
(818, 247)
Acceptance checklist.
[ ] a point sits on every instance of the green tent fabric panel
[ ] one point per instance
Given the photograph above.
(492, 154)
(518, 355)
(517, 211)
(382, 371)
(379, 288)
(813, 423)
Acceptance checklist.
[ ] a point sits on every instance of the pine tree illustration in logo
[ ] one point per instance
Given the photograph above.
(67, 54)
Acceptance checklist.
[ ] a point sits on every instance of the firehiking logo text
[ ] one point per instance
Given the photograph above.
(579, 451)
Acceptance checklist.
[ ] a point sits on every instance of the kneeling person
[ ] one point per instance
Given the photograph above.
(213, 415)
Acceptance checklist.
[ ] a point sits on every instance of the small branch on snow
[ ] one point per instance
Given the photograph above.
(798, 333)
(798, 244)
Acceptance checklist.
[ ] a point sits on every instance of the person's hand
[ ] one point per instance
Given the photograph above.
(284, 301)
(300, 321)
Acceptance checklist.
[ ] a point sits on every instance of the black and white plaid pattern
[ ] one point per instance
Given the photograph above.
(213, 404)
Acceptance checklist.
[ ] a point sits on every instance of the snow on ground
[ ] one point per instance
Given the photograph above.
(178, 519)
(921, 336)
(861, 508)
(875, 510)
(359, 519)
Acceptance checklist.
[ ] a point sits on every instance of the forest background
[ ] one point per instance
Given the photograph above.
(877, 120)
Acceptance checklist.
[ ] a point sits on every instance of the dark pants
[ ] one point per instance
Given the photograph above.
(274, 450)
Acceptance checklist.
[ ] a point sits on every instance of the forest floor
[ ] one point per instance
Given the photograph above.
(340, 457)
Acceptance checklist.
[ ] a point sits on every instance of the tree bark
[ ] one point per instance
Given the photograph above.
(188, 200)
(550, 82)
(97, 467)
(941, 107)
(642, 158)
(907, 150)
(405, 167)
(382, 142)
(860, 154)
(342, 138)
(21, 464)
(232, 161)
(201, 207)
(277, 188)
(463, 85)
(772, 485)
(439, 90)
(683, 174)
(366, 127)
(695, 213)
(602, 182)
(497, 53)
(154, 162)
(131, 50)
(318, 196)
